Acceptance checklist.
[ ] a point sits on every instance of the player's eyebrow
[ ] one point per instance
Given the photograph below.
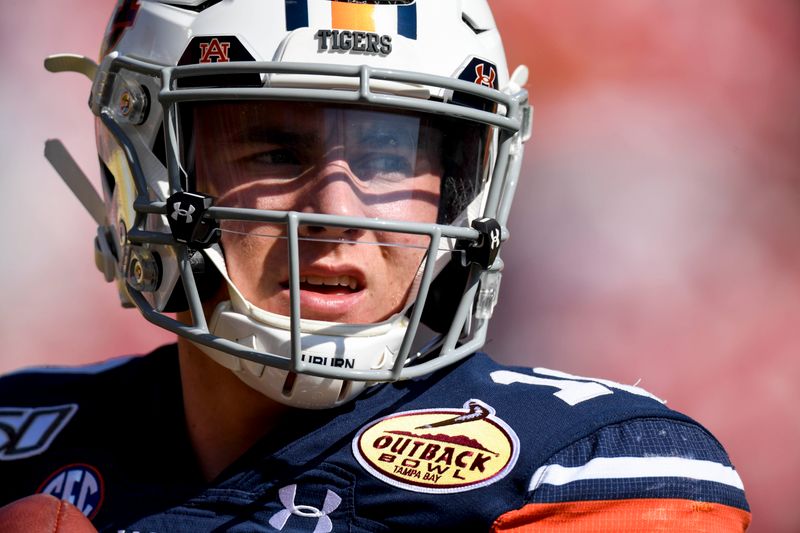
(259, 133)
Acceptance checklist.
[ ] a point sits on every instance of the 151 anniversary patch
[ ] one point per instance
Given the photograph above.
(438, 450)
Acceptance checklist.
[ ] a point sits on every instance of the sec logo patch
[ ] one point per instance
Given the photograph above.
(438, 450)
(79, 484)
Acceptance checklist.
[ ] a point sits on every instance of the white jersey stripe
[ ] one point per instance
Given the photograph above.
(636, 467)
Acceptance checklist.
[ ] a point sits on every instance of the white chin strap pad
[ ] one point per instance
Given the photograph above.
(333, 346)
(373, 349)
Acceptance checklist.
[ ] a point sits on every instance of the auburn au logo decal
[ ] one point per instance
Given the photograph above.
(214, 51)
(438, 450)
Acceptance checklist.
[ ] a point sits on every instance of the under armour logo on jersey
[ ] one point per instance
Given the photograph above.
(485, 79)
(287, 497)
(178, 211)
(214, 49)
(28, 431)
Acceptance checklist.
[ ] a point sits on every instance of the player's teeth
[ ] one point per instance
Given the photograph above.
(341, 281)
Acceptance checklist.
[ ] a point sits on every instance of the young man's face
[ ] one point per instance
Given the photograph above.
(319, 158)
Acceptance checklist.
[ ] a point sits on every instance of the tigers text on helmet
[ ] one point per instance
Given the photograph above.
(342, 169)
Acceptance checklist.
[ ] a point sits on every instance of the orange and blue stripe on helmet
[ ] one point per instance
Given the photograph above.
(357, 16)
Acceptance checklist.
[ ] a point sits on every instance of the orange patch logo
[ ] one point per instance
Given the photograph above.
(438, 450)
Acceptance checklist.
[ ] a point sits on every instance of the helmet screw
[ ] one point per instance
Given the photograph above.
(143, 271)
(138, 274)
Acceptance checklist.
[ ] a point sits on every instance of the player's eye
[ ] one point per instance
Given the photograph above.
(383, 166)
(276, 156)
(385, 140)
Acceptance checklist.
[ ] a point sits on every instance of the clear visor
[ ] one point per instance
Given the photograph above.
(297, 156)
(352, 161)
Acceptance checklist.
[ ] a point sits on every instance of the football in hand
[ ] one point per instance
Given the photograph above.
(42, 512)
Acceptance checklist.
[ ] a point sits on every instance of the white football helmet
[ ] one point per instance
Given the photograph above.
(207, 111)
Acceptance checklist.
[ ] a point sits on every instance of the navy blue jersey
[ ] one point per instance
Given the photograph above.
(476, 447)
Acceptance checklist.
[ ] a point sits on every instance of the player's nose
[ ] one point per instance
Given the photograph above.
(337, 191)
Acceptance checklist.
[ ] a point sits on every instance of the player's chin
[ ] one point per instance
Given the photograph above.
(323, 305)
(362, 307)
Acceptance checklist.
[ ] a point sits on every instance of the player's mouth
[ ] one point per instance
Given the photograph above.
(328, 295)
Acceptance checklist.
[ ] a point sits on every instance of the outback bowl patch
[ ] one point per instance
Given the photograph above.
(438, 450)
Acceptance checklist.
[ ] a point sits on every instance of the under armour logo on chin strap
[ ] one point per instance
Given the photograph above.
(287, 494)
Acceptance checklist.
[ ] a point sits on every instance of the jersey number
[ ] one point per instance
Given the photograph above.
(570, 389)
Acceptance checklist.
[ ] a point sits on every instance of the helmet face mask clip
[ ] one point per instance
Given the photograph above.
(188, 221)
(328, 195)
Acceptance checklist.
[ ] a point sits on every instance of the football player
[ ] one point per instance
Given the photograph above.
(313, 194)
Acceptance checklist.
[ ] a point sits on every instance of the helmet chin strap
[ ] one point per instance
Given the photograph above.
(342, 347)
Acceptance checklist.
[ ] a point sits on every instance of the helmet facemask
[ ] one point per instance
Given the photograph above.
(280, 349)
(348, 162)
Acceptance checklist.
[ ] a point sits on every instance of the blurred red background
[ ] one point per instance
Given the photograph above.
(656, 231)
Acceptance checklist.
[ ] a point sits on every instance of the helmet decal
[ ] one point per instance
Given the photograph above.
(486, 75)
(214, 49)
(375, 16)
(480, 72)
(356, 41)
(407, 21)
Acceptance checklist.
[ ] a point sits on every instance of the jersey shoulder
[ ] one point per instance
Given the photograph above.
(607, 451)
(40, 385)
(44, 384)
(544, 396)
(552, 410)
(643, 474)
(37, 404)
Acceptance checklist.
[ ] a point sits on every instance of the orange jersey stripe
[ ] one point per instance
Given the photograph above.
(623, 516)
(352, 16)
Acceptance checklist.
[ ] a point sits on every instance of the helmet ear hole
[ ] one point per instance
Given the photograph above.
(344, 392)
(207, 279)
(288, 384)
(444, 297)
